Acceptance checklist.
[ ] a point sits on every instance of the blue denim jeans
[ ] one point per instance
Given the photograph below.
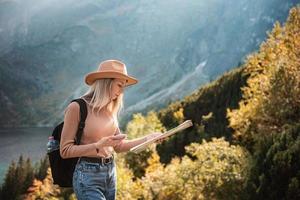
(94, 181)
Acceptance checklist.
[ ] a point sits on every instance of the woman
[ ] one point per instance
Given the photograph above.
(95, 173)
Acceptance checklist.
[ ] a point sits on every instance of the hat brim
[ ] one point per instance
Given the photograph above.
(92, 77)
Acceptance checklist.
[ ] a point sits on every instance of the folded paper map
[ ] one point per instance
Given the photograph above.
(143, 146)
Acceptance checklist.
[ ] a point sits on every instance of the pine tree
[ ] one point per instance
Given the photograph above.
(41, 168)
(8, 188)
(18, 178)
(29, 174)
(271, 97)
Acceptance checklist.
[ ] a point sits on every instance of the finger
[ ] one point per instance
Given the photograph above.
(119, 142)
(110, 140)
(119, 137)
(114, 143)
(105, 153)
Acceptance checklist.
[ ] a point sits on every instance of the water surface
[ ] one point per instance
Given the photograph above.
(30, 142)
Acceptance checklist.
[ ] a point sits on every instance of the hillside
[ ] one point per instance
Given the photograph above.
(46, 49)
(207, 108)
(257, 158)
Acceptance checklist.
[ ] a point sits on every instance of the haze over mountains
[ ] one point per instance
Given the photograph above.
(172, 47)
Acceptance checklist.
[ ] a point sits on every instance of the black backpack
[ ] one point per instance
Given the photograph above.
(62, 169)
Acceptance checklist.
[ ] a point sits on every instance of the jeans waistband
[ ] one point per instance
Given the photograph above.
(100, 160)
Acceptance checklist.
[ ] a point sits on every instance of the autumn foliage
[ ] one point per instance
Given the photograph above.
(256, 157)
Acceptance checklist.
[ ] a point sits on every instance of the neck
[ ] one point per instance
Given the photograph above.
(109, 108)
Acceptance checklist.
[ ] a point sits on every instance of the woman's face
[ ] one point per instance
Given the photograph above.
(117, 88)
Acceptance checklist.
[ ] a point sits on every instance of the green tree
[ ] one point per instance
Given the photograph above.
(18, 178)
(29, 174)
(276, 169)
(139, 126)
(271, 97)
(220, 171)
(268, 117)
(43, 189)
(206, 107)
(41, 168)
(8, 188)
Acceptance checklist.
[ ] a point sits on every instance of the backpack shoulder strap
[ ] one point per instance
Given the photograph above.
(83, 115)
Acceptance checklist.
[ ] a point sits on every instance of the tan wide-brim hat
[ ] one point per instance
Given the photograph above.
(110, 69)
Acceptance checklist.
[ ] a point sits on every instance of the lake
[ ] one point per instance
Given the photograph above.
(30, 142)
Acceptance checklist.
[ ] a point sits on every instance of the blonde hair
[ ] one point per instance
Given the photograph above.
(99, 97)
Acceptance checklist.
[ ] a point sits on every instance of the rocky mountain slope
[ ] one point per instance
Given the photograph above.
(172, 47)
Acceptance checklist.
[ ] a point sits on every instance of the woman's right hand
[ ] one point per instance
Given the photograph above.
(106, 142)
(109, 141)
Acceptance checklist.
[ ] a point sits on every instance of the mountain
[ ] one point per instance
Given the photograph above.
(172, 47)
